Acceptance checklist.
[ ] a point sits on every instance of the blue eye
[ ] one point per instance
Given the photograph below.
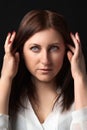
(54, 48)
(35, 48)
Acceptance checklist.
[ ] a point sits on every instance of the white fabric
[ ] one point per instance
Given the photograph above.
(27, 120)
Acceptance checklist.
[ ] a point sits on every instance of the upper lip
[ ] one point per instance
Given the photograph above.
(45, 69)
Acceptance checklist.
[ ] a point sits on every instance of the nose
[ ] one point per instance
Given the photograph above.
(45, 58)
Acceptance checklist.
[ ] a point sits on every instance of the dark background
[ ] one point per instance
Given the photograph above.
(12, 11)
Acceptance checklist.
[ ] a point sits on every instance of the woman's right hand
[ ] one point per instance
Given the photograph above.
(8, 72)
(10, 61)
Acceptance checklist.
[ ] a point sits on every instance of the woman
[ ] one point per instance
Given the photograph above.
(43, 84)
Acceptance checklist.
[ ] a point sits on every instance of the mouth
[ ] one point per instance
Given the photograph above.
(45, 70)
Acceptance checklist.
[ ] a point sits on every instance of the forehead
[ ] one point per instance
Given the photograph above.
(46, 37)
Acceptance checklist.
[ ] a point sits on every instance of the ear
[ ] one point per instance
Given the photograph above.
(69, 55)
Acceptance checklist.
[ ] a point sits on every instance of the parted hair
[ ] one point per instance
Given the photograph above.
(22, 86)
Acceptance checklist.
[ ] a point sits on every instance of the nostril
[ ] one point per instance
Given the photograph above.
(45, 59)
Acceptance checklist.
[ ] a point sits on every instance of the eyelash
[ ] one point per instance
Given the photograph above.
(52, 48)
(34, 48)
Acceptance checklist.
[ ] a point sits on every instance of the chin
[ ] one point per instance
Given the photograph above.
(46, 80)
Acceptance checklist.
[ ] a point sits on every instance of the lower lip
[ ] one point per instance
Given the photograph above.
(45, 70)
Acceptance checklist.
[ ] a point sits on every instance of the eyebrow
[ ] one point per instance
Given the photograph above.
(34, 44)
(54, 43)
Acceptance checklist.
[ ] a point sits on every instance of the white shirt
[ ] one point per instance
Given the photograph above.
(27, 120)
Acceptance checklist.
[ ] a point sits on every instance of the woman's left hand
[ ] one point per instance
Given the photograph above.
(76, 57)
(78, 70)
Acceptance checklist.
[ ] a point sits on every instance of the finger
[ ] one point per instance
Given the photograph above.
(9, 41)
(77, 45)
(72, 49)
(12, 37)
(6, 46)
(75, 41)
(77, 37)
(79, 42)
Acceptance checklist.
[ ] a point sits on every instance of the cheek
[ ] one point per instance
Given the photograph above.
(30, 62)
(59, 60)
(27, 60)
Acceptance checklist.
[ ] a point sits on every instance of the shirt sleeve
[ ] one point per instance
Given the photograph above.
(79, 120)
(4, 122)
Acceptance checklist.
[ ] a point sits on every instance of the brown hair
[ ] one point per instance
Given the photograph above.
(22, 86)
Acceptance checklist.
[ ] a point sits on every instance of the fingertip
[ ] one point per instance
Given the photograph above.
(77, 37)
(71, 33)
(14, 32)
(77, 33)
(8, 33)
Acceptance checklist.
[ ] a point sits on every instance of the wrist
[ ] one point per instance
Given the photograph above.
(80, 78)
(80, 88)
(6, 78)
(5, 89)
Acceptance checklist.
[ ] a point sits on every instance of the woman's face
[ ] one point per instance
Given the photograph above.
(43, 54)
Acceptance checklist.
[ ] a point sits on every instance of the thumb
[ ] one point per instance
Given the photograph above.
(69, 55)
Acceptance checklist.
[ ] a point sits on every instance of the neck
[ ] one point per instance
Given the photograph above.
(46, 97)
(46, 91)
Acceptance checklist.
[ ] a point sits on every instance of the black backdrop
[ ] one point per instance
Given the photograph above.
(12, 11)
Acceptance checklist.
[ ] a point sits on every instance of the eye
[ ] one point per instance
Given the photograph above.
(35, 48)
(53, 48)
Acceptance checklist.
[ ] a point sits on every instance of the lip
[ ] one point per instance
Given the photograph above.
(45, 69)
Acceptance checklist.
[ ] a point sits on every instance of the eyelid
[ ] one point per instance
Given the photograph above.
(35, 47)
(54, 46)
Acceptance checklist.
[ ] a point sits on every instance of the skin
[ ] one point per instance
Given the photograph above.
(43, 78)
(78, 70)
(9, 70)
(45, 51)
(43, 54)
